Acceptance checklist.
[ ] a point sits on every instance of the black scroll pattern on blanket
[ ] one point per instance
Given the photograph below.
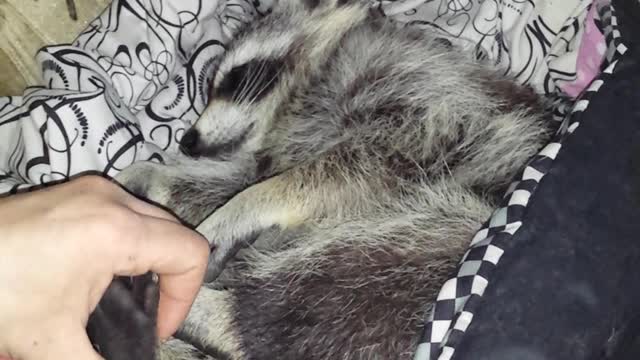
(77, 62)
(154, 63)
(166, 132)
(123, 119)
(51, 107)
(155, 68)
(113, 158)
(492, 32)
(50, 65)
(121, 60)
(53, 118)
(16, 158)
(5, 176)
(115, 12)
(119, 65)
(454, 15)
(192, 84)
(538, 35)
(83, 123)
(454, 18)
(180, 87)
(194, 87)
(192, 18)
(5, 103)
(569, 30)
(123, 123)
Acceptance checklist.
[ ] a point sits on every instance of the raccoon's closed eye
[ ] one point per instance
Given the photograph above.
(250, 81)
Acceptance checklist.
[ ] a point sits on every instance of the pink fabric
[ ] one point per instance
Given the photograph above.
(590, 56)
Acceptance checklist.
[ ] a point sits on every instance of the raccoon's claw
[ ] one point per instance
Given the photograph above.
(220, 255)
(234, 226)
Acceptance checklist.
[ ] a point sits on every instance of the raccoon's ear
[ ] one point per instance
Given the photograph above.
(330, 21)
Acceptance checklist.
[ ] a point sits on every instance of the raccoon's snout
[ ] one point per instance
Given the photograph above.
(189, 144)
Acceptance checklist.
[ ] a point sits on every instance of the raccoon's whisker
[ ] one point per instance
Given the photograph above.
(256, 76)
(242, 89)
(260, 74)
(266, 85)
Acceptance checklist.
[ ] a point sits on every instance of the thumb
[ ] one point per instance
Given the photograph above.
(69, 342)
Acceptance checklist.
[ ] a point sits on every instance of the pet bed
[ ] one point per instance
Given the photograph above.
(137, 76)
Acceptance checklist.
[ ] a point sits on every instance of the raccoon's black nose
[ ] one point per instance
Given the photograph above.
(189, 143)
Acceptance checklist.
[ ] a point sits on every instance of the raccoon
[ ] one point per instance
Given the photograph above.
(339, 171)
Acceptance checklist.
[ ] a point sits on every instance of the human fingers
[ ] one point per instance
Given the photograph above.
(177, 254)
(172, 309)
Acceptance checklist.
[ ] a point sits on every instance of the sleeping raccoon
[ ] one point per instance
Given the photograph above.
(339, 172)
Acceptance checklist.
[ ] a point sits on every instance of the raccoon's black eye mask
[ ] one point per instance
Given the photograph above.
(250, 81)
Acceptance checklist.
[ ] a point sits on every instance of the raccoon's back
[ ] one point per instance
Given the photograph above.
(408, 100)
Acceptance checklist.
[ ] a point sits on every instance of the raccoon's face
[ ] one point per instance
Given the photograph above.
(259, 71)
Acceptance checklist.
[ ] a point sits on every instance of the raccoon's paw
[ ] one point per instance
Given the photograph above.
(146, 180)
(123, 325)
(227, 233)
(234, 226)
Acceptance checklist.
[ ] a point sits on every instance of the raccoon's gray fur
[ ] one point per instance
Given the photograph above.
(343, 164)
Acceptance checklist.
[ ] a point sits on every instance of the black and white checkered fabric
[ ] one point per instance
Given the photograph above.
(460, 296)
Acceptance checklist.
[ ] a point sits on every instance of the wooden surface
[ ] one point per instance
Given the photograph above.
(26, 26)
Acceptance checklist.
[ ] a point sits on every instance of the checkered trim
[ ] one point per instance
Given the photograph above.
(611, 33)
(453, 310)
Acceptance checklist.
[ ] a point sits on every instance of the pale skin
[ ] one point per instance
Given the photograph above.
(62, 246)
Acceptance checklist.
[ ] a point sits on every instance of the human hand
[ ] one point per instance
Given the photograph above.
(61, 247)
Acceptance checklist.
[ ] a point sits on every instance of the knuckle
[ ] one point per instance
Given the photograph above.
(94, 183)
(116, 220)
